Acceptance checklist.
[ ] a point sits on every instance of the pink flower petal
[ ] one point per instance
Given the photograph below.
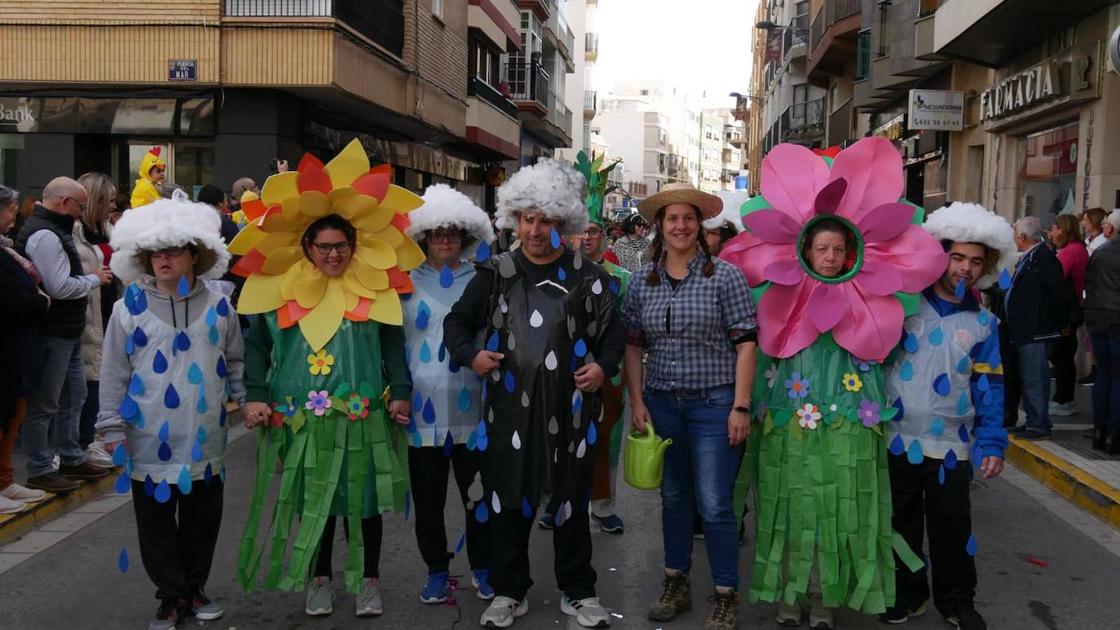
(772, 226)
(874, 326)
(885, 222)
(873, 168)
(827, 306)
(916, 255)
(828, 199)
(879, 278)
(787, 272)
(791, 177)
(751, 255)
(782, 329)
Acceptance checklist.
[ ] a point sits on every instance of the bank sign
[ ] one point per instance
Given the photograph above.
(936, 110)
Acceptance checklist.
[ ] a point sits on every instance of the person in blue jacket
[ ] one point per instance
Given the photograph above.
(947, 385)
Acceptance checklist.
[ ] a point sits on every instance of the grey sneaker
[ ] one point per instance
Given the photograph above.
(320, 597)
(166, 616)
(369, 600)
(788, 615)
(588, 612)
(820, 618)
(204, 609)
(502, 611)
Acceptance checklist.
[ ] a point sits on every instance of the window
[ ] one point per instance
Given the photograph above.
(801, 93)
(437, 9)
(484, 62)
(644, 92)
(884, 29)
(863, 55)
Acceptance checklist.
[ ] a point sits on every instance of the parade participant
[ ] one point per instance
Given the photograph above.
(833, 246)
(728, 223)
(552, 338)
(446, 399)
(592, 243)
(694, 317)
(151, 173)
(324, 257)
(631, 249)
(947, 383)
(172, 358)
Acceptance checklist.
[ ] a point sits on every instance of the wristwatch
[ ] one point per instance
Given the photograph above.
(742, 409)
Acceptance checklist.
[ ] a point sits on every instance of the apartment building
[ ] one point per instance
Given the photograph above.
(793, 109)
(537, 77)
(719, 159)
(580, 95)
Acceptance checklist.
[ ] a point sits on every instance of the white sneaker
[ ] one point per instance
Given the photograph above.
(502, 611)
(16, 492)
(1063, 409)
(588, 612)
(369, 600)
(320, 597)
(98, 456)
(11, 506)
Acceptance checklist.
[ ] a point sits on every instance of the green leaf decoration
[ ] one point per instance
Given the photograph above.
(366, 390)
(341, 390)
(768, 424)
(297, 421)
(888, 412)
(753, 204)
(919, 212)
(910, 303)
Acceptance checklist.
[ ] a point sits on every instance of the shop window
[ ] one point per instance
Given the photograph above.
(190, 166)
(1048, 172)
(11, 145)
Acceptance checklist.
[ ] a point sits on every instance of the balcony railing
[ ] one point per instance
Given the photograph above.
(490, 94)
(590, 101)
(591, 43)
(792, 37)
(527, 82)
(803, 119)
(559, 114)
(380, 20)
(833, 12)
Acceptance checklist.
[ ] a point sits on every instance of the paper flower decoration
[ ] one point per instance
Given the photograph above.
(280, 278)
(771, 375)
(868, 413)
(895, 258)
(796, 386)
(320, 363)
(318, 402)
(357, 408)
(808, 416)
(852, 382)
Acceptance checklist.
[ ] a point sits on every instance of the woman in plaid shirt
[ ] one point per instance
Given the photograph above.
(694, 317)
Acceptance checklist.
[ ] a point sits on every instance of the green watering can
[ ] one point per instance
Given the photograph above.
(645, 459)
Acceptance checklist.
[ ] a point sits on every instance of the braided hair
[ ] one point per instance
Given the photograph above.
(653, 278)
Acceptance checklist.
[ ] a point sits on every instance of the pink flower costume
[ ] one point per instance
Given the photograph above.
(817, 456)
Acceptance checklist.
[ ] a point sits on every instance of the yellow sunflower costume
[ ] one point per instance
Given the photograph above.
(323, 351)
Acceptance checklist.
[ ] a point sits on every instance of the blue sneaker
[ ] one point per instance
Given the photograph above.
(435, 591)
(546, 521)
(609, 524)
(481, 581)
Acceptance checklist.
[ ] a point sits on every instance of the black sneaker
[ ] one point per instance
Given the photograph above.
(1090, 378)
(901, 614)
(1033, 435)
(167, 615)
(966, 618)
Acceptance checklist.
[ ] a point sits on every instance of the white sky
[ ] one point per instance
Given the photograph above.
(697, 45)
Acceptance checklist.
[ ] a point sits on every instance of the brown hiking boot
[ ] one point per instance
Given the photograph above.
(675, 598)
(52, 482)
(84, 470)
(725, 611)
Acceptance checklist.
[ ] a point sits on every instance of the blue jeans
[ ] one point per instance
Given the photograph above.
(700, 471)
(1106, 389)
(1034, 372)
(55, 408)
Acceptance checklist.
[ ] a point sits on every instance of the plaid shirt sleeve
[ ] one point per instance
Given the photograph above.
(632, 316)
(738, 311)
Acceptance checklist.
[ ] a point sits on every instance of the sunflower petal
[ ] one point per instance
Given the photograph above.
(314, 203)
(245, 240)
(409, 255)
(310, 290)
(351, 297)
(280, 187)
(401, 200)
(390, 235)
(376, 220)
(323, 321)
(360, 313)
(281, 259)
(355, 285)
(261, 294)
(377, 254)
(371, 278)
(350, 164)
(374, 183)
(387, 308)
(355, 207)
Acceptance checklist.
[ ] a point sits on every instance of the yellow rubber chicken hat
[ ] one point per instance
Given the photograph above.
(280, 278)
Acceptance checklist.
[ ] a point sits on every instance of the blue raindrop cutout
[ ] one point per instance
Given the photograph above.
(417, 401)
(182, 342)
(951, 460)
(962, 403)
(223, 307)
(429, 412)
(163, 492)
(184, 480)
(423, 315)
(983, 318)
(914, 453)
(164, 431)
(577, 402)
(482, 254)
(425, 352)
(936, 336)
(560, 273)
(448, 445)
(149, 486)
(123, 483)
(983, 384)
(897, 447)
(510, 384)
(119, 455)
(481, 514)
(194, 374)
(446, 277)
(221, 367)
(941, 475)
(212, 336)
(958, 291)
(592, 434)
(129, 346)
(211, 316)
(906, 372)
(941, 384)
(164, 452)
(196, 452)
(527, 510)
(139, 301)
(122, 560)
(464, 399)
(492, 342)
(962, 433)
(897, 404)
(462, 543)
(159, 363)
(442, 354)
(184, 287)
(937, 427)
(910, 343)
(201, 405)
(208, 474)
(201, 436)
(580, 348)
(135, 386)
(970, 546)
(554, 239)
(1004, 280)
(171, 397)
(964, 366)
(481, 442)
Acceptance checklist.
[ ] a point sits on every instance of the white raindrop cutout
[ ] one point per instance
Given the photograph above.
(496, 503)
(525, 399)
(516, 441)
(511, 341)
(597, 286)
(550, 362)
(553, 426)
(502, 304)
(582, 450)
(535, 320)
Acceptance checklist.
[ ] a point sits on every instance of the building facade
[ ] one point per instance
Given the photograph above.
(537, 77)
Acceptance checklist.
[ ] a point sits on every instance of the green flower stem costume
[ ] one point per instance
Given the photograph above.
(818, 459)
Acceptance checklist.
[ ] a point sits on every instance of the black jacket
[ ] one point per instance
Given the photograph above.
(1102, 289)
(20, 322)
(1041, 300)
(66, 318)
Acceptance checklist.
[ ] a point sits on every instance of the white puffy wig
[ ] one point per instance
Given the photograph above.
(176, 222)
(446, 207)
(972, 223)
(550, 187)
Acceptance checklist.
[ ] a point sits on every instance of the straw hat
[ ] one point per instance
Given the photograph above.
(710, 205)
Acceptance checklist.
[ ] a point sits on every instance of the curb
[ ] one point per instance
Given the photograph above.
(13, 526)
(1082, 489)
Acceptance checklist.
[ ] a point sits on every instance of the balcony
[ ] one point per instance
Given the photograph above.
(528, 86)
(839, 125)
(991, 32)
(591, 47)
(795, 38)
(491, 122)
(832, 39)
(560, 35)
(542, 8)
(382, 21)
(803, 123)
(590, 103)
(483, 90)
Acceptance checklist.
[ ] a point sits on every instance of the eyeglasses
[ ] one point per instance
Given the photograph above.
(169, 252)
(593, 231)
(445, 237)
(325, 249)
(81, 205)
